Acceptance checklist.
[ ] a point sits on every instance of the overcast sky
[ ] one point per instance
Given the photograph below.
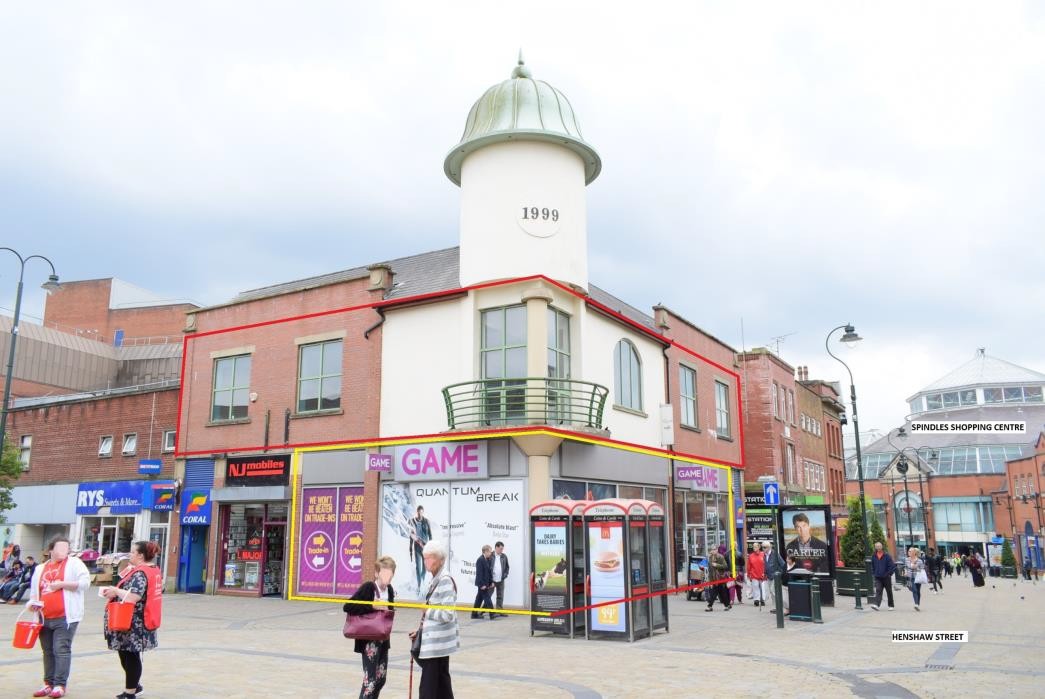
(793, 165)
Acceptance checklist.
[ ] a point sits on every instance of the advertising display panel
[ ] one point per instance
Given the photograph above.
(466, 515)
(557, 571)
(606, 566)
(806, 533)
(330, 543)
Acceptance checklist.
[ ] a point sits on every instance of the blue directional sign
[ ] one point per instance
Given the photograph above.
(771, 491)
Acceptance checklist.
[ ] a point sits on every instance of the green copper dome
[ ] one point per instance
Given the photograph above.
(522, 109)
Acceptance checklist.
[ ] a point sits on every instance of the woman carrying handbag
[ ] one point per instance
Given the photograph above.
(140, 591)
(374, 652)
(918, 577)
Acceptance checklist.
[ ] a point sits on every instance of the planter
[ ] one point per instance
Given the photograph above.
(846, 579)
(1008, 571)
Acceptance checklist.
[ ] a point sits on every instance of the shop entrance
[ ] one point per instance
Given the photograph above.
(275, 538)
(697, 540)
(192, 566)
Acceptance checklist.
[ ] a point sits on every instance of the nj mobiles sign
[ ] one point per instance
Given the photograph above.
(258, 470)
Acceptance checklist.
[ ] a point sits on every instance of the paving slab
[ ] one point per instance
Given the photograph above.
(216, 646)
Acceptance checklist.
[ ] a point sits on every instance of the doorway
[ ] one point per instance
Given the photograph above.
(275, 539)
(696, 540)
(192, 565)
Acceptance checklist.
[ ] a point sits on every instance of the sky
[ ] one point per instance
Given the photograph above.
(770, 171)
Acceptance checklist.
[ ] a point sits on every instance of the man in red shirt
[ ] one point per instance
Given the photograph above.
(756, 573)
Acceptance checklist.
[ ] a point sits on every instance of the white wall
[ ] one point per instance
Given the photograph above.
(497, 181)
(424, 349)
(599, 337)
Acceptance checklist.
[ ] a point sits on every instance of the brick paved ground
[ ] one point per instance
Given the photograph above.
(230, 647)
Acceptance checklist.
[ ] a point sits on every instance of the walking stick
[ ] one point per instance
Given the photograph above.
(410, 691)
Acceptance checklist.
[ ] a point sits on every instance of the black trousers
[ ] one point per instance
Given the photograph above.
(132, 668)
(435, 679)
(937, 580)
(879, 585)
(482, 599)
(722, 593)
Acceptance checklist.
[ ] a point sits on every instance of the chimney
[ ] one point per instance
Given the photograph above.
(380, 277)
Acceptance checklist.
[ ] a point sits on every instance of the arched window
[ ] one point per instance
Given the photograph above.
(627, 376)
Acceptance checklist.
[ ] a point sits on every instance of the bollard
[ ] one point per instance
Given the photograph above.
(778, 591)
(859, 593)
(814, 592)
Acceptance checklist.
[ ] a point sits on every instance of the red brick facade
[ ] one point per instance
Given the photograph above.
(770, 431)
(1019, 511)
(66, 437)
(84, 306)
(274, 351)
(700, 440)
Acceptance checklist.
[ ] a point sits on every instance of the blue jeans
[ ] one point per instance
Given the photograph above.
(419, 565)
(916, 590)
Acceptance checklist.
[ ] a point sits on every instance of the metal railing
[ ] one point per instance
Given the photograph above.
(524, 401)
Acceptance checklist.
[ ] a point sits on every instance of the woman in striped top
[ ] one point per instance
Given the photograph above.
(438, 627)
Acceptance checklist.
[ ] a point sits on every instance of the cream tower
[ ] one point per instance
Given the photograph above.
(522, 165)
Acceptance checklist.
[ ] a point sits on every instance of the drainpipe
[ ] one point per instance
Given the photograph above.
(381, 312)
(670, 509)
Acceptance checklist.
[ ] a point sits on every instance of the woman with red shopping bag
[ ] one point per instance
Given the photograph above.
(139, 596)
(374, 652)
(57, 590)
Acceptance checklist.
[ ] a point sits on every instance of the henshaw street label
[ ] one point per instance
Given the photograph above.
(930, 636)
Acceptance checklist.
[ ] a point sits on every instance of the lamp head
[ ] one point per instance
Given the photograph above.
(51, 285)
(850, 335)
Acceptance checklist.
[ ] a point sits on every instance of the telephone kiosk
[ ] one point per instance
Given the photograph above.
(557, 566)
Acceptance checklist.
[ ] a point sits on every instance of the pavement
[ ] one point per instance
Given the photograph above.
(215, 646)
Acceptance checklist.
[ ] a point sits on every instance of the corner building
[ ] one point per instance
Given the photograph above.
(473, 382)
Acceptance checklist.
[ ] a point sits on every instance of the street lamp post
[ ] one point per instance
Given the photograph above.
(850, 337)
(50, 285)
(902, 465)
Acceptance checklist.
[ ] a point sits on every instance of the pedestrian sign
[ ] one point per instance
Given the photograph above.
(771, 491)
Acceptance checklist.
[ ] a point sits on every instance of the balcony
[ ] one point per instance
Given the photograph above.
(529, 401)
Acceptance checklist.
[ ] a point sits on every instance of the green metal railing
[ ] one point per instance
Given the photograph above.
(527, 401)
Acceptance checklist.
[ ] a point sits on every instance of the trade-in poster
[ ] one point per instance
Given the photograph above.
(550, 574)
(806, 532)
(466, 515)
(349, 541)
(318, 529)
(606, 563)
(330, 553)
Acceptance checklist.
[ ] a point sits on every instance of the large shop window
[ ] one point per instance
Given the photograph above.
(107, 534)
(627, 376)
(252, 555)
(231, 388)
(503, 364)
(319, 377)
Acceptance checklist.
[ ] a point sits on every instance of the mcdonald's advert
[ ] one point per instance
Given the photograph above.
(330, 548)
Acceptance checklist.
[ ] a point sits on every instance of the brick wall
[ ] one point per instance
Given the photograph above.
(84, 305)
(274, 370)
(701, 441)
(764, 438)
(66, 436)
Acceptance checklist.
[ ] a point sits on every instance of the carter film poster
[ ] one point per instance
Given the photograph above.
(806, 533)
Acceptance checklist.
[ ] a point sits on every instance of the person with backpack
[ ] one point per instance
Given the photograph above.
(142, 586)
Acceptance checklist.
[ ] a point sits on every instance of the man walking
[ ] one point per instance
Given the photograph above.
(774, 564)
(484, 581)
(882, 569)
(934, 563)
(500, 573)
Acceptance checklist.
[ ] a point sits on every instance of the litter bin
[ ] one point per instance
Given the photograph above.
(800, 594)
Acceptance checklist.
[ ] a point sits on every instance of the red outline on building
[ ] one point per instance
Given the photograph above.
(455, 436)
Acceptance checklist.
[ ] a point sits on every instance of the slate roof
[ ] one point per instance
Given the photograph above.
(425, 273)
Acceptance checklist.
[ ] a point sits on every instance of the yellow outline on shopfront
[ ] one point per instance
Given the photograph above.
(295, 476)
